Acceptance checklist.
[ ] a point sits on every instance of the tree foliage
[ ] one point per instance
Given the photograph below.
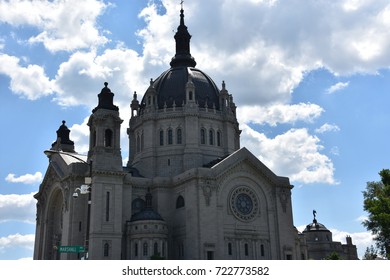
(377, 204)
(333, 256)
(370, 254)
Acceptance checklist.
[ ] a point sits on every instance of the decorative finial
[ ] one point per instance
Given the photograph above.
(314, 216)
(105, 84)
(151, 81)
(181, 3)
(223, 85)
(63, 122)
(135, 95)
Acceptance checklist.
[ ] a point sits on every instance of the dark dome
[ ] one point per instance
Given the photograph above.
(171, 88)
(147, 214)
(315, 226)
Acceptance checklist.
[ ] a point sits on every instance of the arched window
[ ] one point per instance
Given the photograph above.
(136, 249)
(180, 202)
(145, 249)
(202, 136)
(106, 249)
(137, 205)
(161, 137)
(108, 138)
(178, 136)
(211, 137)
(218, 138)
(190, 95)
(170, 136)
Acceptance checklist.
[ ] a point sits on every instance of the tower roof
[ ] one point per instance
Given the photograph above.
(106, 99)
(63, 141)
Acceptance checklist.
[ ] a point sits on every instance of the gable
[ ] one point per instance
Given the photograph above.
(244, 160)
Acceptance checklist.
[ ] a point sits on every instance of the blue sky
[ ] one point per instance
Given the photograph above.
(311, 81)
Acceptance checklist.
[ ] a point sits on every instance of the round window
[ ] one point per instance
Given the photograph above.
(244, 203)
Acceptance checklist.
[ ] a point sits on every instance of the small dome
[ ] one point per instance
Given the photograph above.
(315, 226)
(171, 88)
(147, 214)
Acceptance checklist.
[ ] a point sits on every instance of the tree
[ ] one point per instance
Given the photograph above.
(370, 254)
(333, 256)
(377, 204)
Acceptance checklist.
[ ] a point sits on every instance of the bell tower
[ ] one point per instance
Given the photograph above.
(104, 125)
(105, 233)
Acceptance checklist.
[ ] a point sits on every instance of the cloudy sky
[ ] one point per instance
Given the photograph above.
(311, 80)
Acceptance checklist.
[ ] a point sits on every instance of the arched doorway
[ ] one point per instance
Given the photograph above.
(54, 218)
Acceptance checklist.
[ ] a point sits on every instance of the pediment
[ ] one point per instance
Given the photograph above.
(244, 160)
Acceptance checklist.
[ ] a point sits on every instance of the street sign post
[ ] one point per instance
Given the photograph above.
(71, 249)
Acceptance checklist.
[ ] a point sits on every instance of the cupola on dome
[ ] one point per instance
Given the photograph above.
(171, 85)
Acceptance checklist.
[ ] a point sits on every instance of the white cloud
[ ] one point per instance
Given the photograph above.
(327, 128)
(30, 81)
(362, 218)
(85, 72)
(337, 87)
(295, 154)
(80, 136)
(17, 207)
(25, 179)
(63, 25)
(279, 114)
(17, 239)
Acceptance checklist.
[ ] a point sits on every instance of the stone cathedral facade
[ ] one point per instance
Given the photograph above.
(188, 191)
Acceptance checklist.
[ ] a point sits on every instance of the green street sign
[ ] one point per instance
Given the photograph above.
(71, 249)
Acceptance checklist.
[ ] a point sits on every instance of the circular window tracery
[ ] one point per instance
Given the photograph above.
(244, 203)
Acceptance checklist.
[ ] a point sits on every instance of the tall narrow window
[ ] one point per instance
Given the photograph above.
(108, 138)
(246, 249)
(155, 249)
(211, 137)
(170, 136)
(230, 249)
(190, 97)
(106, 249)
(218, 138)
(136, 249)
(107, 206)
(262, 250)
(202, 136)
(178, 136)
(142, 140)
(94, 139)
(145, 249)
(161, 137)
(138, 144)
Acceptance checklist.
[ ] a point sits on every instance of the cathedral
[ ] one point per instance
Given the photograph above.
(188, 191)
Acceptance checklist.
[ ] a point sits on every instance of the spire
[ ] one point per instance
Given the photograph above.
(182, 37)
